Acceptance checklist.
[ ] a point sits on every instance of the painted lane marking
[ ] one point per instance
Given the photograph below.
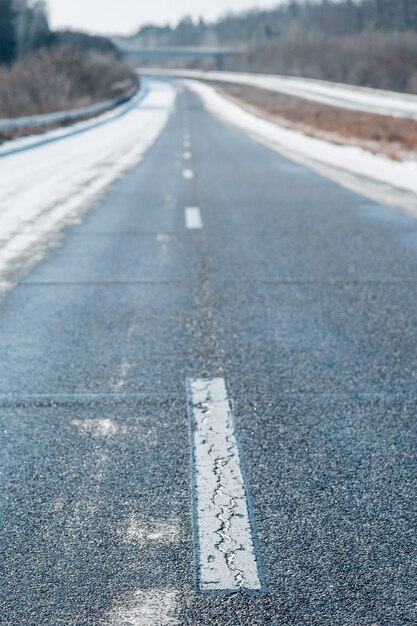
(159, 607)
(193, 219)
(148, 531)
(186, 144)
(188, 174)
(226, 549)
(187, 155)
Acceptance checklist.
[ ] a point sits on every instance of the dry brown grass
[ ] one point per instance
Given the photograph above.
(394, 137)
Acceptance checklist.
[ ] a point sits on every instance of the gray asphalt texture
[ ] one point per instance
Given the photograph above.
(303, 296)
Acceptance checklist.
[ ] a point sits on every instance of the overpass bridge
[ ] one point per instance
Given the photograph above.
(218, 55)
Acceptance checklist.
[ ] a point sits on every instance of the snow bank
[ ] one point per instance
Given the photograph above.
(328, 158)
(340, 95)
(44, 189)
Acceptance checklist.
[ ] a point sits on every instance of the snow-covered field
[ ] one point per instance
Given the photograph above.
(334, 94)
(44, 188)
(374, 175)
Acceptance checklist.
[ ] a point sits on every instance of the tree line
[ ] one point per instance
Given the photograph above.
(322, 17)
(363, 42)
(43, 71)
(296, 16)
(24, 28)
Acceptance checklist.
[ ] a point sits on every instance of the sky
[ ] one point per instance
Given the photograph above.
(126, 16)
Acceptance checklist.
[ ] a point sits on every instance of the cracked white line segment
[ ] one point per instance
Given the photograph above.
(193, 219)
(226, 550)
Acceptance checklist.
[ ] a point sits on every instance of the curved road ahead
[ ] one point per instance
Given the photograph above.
(214, 277)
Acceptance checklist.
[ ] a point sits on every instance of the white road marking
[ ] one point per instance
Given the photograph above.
(188, 174)
(193, 219)
(186, 144)
(143, 433)
(187, 155)
(151, 607)
(148, 531)
(6, 286)
(163, 238)
(96, 427)
(227, 558)
(118, 381)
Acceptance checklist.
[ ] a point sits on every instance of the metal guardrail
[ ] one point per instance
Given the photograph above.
(38, 140)
(40, 121)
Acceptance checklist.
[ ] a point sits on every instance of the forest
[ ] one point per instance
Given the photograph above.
(23, 27)
(43, 71)
(295, 16)
(364, 42)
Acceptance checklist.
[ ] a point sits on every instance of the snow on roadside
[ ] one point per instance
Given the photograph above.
(366, 99)
(44, 189)
(375, 175)
(41, 137)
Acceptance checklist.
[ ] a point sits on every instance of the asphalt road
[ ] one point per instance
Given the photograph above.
(302, 296)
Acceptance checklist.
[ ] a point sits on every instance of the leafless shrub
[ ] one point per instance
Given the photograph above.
(60, 78)
(377, 59)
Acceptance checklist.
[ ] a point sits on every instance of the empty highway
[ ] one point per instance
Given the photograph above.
(208, 389)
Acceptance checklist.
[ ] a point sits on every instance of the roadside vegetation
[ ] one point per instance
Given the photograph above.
(391, 136)
(23, 28)
(363, 42)
(382, 60)
(43, 71)
(60, 78)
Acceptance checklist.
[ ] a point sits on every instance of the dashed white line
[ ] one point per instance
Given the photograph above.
(225, 545)
(193, 219)
(186, 144)
(187, 155)
(188, 174)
